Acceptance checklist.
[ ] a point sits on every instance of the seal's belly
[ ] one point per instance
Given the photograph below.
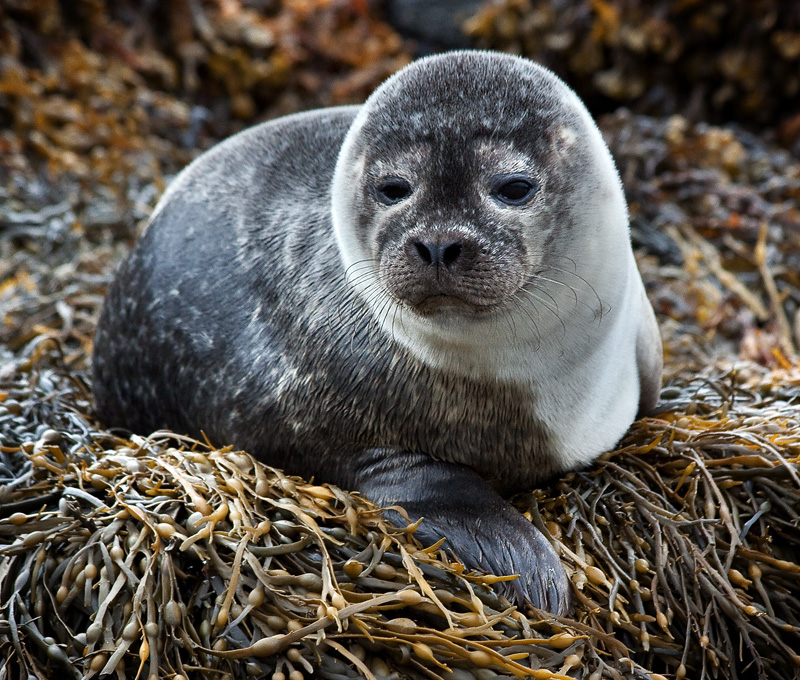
(354, 390)
(510, 455)
(489, 426)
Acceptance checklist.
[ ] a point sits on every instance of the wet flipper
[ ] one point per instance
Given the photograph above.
(481, 529)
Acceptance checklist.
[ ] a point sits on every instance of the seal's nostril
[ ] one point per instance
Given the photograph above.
(438, 253)
(450, 253)
(423, 251)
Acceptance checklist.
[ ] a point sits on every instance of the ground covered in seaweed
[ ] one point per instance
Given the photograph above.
(153, 555)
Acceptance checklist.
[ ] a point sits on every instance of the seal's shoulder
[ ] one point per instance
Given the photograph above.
(301, 145)
(315, 128)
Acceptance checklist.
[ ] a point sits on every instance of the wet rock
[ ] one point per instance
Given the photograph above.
(433, 23)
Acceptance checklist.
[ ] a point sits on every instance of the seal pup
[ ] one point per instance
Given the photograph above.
(430, 298)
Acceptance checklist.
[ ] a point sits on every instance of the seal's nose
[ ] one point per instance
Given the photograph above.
(438, 253)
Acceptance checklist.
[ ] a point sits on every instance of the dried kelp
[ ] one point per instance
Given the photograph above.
(155, 554)
(720, 211)
(112, 90)
(686, 541)
(709, 61)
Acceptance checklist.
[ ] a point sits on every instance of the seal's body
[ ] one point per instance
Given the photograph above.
(431, 298)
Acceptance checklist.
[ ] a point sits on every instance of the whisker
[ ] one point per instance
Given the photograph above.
(509, 318)
(536, 278)
(519, 307)
(531, 295)
(588, 285)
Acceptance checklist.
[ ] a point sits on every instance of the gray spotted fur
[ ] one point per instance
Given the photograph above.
(234, 314)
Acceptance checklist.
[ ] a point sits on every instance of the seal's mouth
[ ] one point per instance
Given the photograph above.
(450, 274)
(445, 305)
(467, 293)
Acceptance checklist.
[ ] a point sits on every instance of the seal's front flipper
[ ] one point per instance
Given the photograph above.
(481, 529)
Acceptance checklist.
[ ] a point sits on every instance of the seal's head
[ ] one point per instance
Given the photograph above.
(462, 185)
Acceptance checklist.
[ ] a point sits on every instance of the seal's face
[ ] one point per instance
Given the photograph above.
(447, 227)
(461, 187)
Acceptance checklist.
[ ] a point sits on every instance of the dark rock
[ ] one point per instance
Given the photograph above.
(435, 24)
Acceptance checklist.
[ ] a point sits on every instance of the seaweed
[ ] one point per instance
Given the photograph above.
(151, 554)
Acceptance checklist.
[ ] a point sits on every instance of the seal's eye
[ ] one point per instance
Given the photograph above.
(392, 190)
(514, 190)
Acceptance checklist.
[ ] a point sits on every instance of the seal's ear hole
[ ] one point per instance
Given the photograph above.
(392, 190)
(514, 190)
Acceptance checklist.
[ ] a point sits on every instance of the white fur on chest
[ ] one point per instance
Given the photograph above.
(582, 377)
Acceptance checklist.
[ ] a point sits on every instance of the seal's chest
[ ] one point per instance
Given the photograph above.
(491, 427)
